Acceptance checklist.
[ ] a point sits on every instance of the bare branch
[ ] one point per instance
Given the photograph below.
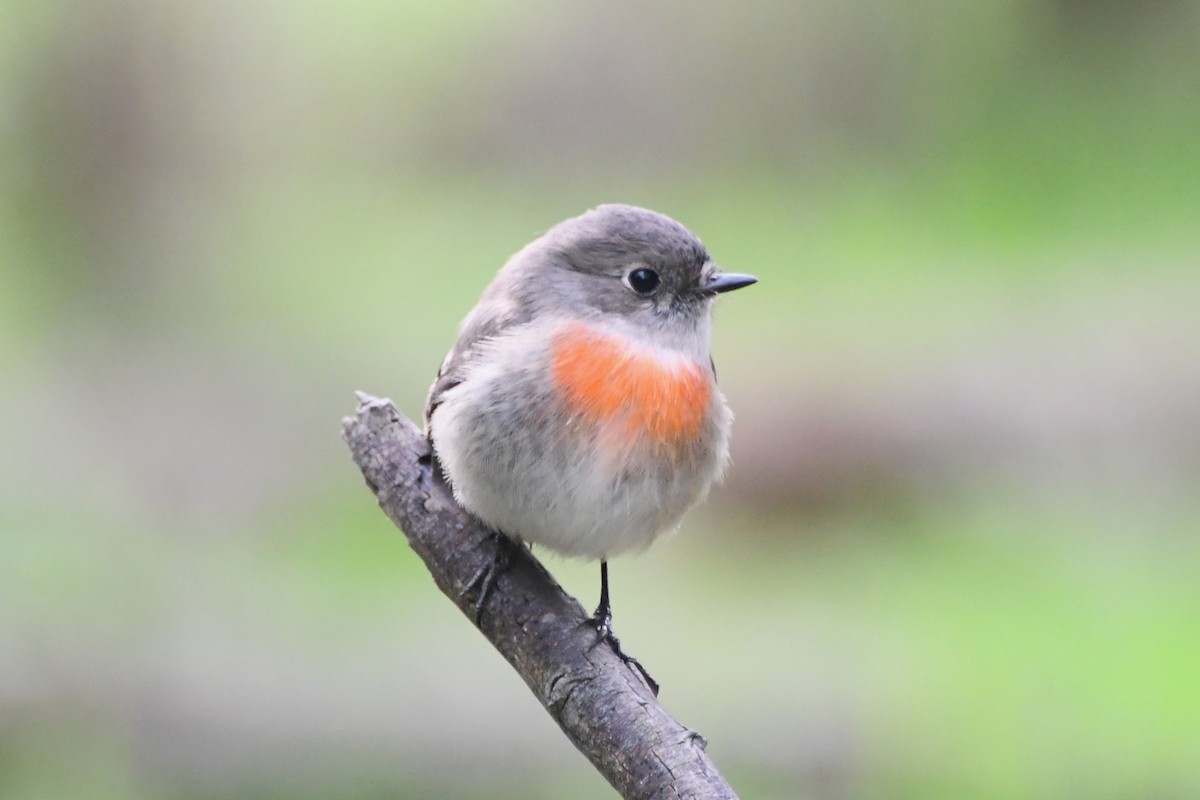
(600, 704)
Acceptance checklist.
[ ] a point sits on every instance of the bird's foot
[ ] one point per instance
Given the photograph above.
(602, 622)
(485, 577)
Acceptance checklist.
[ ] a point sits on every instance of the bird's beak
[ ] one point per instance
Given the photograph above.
(727, 282)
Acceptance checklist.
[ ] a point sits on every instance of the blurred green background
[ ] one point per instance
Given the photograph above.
(957, 553)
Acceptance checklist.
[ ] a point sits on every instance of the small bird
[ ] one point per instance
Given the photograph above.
(579, 408)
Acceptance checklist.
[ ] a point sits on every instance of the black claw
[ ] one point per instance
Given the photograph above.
(485, 577)
(602, 621)
(606, 635)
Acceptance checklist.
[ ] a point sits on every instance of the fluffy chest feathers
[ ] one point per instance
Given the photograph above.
(623, 389)
(581, 440)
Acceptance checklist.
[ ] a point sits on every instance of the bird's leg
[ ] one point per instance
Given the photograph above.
(602, 620)
(485, 577)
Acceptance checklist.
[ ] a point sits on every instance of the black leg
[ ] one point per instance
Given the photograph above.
(602, 620)
(603, 614)
(485, 578)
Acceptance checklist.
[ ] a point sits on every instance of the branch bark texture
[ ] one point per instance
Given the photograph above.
(600, 704)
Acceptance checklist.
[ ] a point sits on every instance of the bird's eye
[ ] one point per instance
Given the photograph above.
(642, 280)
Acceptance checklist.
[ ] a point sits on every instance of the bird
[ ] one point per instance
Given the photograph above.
(578, 409)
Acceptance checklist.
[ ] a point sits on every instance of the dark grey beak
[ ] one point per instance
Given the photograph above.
(727, 282)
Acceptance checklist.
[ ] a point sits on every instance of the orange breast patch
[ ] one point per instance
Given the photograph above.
(607, 381)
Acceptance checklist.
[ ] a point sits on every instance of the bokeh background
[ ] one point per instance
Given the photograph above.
(957, 553)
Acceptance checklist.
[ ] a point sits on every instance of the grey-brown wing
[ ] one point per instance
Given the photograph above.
(491, 317)
(446, 379)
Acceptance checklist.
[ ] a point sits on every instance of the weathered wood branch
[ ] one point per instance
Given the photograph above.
(601, 705)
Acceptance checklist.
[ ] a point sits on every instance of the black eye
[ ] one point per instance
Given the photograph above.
(642, 280)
